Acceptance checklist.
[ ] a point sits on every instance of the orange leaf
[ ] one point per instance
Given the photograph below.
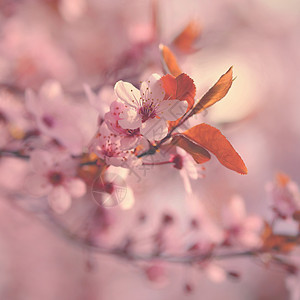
(169, 61)
(185, 40)
(215, 93)
(181, 88)
(214, 141)
(199, 154)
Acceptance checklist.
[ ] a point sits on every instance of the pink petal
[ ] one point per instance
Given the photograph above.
(172, 110)
(215, 273)
(76, 187)
(41, 161)
(101, 101)
(127, 93)
(59, 199)
(129, 142)
(51, 89)
(37, 185)
(154, 129)
(234, 213)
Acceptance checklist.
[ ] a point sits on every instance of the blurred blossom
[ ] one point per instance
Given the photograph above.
(241, 230)
(188, 168)
(54, 176)
(71, 123)
(284, 195)
(24, 62)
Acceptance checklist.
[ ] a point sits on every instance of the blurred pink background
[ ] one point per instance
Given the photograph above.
(85, 41)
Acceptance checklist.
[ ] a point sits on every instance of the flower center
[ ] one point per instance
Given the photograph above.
(147, 111)
(48, 121)
(56, 178)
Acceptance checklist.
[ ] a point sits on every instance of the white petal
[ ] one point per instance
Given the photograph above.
(154, 129)
(127, 93)
(172, 110)
(152, 90)
(76, 187)
(128, 200)
(186, 181)
(190, 166)
(59, 199)
(130, 119)
(215, 273)
(51, 89)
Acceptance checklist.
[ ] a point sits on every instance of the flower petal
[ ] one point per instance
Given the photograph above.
(154, 129)
(172, 110)
(41, 161)
(127, 93)
(59, 199)
(37, 185)
(76, 187)
(130, 119)
(152, 89)
(129, 142)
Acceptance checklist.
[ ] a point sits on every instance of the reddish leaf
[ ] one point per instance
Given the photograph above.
(185, 40)
(214, 141)
(181, 88)
(199, 154)
(169, 61)
(215, 93)
(278, 242)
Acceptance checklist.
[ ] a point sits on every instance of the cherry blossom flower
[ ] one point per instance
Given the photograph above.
(187, 167)
(54, 176)
(130, 138)
(285, 196)
(107, 146)
(101, 101)
(240, 229)
(111, 189)
(72, 124)
(147, 109)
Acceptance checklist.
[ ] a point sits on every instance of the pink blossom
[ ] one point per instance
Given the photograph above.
(72, 124)
(101, 101)
(285, 196)
(129, 137)
(241, 230)
(156, 273)
(54, 176)
(188, 168)
(107, 145)
(147, 109)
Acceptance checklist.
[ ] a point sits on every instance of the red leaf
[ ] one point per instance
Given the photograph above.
(214, 141)
(199, 154)
(215, 93)
(181, 88)
(169, 61)
(185, 40)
